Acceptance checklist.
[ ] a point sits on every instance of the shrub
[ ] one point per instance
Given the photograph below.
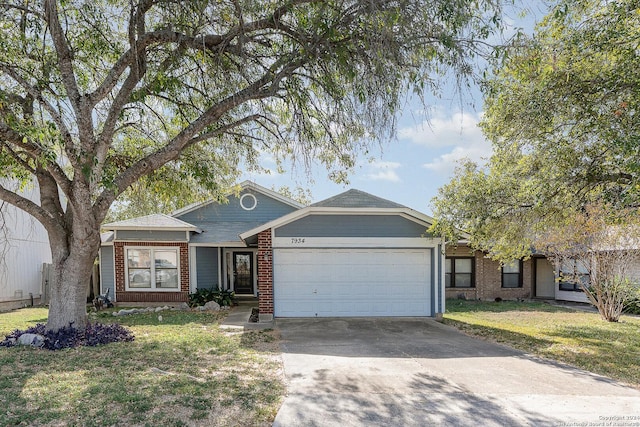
(203, 296)
(612, 296)
(94, 334)
(633, 305)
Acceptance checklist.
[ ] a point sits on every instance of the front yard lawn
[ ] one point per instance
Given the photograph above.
(180, 370)
(577, 338)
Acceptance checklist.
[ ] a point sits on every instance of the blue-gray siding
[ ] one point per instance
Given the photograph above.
(352, 226)
(107, 272)
(151, 236)
(266, 210)
(207, 267)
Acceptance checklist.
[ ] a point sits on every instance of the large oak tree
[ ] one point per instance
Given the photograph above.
(95, 96)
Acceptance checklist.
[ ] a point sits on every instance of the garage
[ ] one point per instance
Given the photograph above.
(352, 282)
(352, 255)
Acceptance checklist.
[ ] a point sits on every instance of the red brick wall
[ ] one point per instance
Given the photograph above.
(122, 295)
(488, 276)
(265, 272)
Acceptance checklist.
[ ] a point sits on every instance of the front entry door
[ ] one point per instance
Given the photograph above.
(545, 279)
(243, 272)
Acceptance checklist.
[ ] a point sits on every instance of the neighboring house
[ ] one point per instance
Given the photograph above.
(24, 248)
(353, 254)
(472, 274)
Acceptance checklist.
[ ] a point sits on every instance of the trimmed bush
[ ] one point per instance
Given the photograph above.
(203, 296)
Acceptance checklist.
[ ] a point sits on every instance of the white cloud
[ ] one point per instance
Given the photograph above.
(384, 171)
(478, 150)
(442, 131)
(458, 134)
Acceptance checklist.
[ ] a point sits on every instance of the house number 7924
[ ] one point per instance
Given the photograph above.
(297, 240)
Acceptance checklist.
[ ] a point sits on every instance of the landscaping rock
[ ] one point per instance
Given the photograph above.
(158, 309)
(34, 340)
(212, 305)
(201, 308)
(184, 306)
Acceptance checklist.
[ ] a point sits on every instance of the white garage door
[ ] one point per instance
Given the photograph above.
(352, 282)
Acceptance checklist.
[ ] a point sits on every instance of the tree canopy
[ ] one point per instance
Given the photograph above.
(562, 113)
(95, 96)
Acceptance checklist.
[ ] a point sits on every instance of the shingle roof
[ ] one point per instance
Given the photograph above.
(222, 231)
(356, 199)
(154, 221)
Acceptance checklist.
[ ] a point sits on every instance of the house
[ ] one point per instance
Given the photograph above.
(353, 254)
(472, 275)
(24, 248)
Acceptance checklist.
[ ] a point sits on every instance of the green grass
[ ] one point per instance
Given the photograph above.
(577, 338)
(181, 371)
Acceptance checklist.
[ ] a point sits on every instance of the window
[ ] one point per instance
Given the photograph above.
(572, 273)
(153, 269)
(458, 273)
(512, 274)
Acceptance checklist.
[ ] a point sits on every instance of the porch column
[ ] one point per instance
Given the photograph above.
(265, 275)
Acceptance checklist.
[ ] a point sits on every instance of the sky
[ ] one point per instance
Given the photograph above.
(429, 144)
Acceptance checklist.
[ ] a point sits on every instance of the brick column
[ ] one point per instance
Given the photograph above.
(265, 275)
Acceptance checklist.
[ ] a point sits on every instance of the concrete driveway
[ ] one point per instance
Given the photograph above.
(417, 372)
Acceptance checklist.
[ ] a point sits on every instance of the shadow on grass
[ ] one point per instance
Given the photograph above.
(167, 317)
(265, 341)
(502, 336)
(466, 306)
(609, 349)
(578, 339)
(181, 371)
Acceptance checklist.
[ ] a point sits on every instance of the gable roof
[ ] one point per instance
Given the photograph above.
(153, 222)
(222, 233)
(245, 185)
(357, 199)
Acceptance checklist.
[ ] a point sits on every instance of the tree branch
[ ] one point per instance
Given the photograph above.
(30, 207)
(10, 136)
(171, 151)
(65, 56)
(37, 95)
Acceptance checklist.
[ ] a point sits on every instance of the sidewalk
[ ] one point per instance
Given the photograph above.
(238, 319)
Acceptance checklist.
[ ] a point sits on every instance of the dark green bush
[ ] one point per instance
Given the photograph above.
(203, 296)
(68, 337)
(633, 307)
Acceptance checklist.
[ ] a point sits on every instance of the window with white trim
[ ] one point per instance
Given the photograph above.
(573, 273)
(153, 269)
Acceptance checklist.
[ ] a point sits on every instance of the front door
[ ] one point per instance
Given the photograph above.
(545, 279)
(243, 272)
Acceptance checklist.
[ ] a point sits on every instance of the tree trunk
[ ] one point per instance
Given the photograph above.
(72, 266)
